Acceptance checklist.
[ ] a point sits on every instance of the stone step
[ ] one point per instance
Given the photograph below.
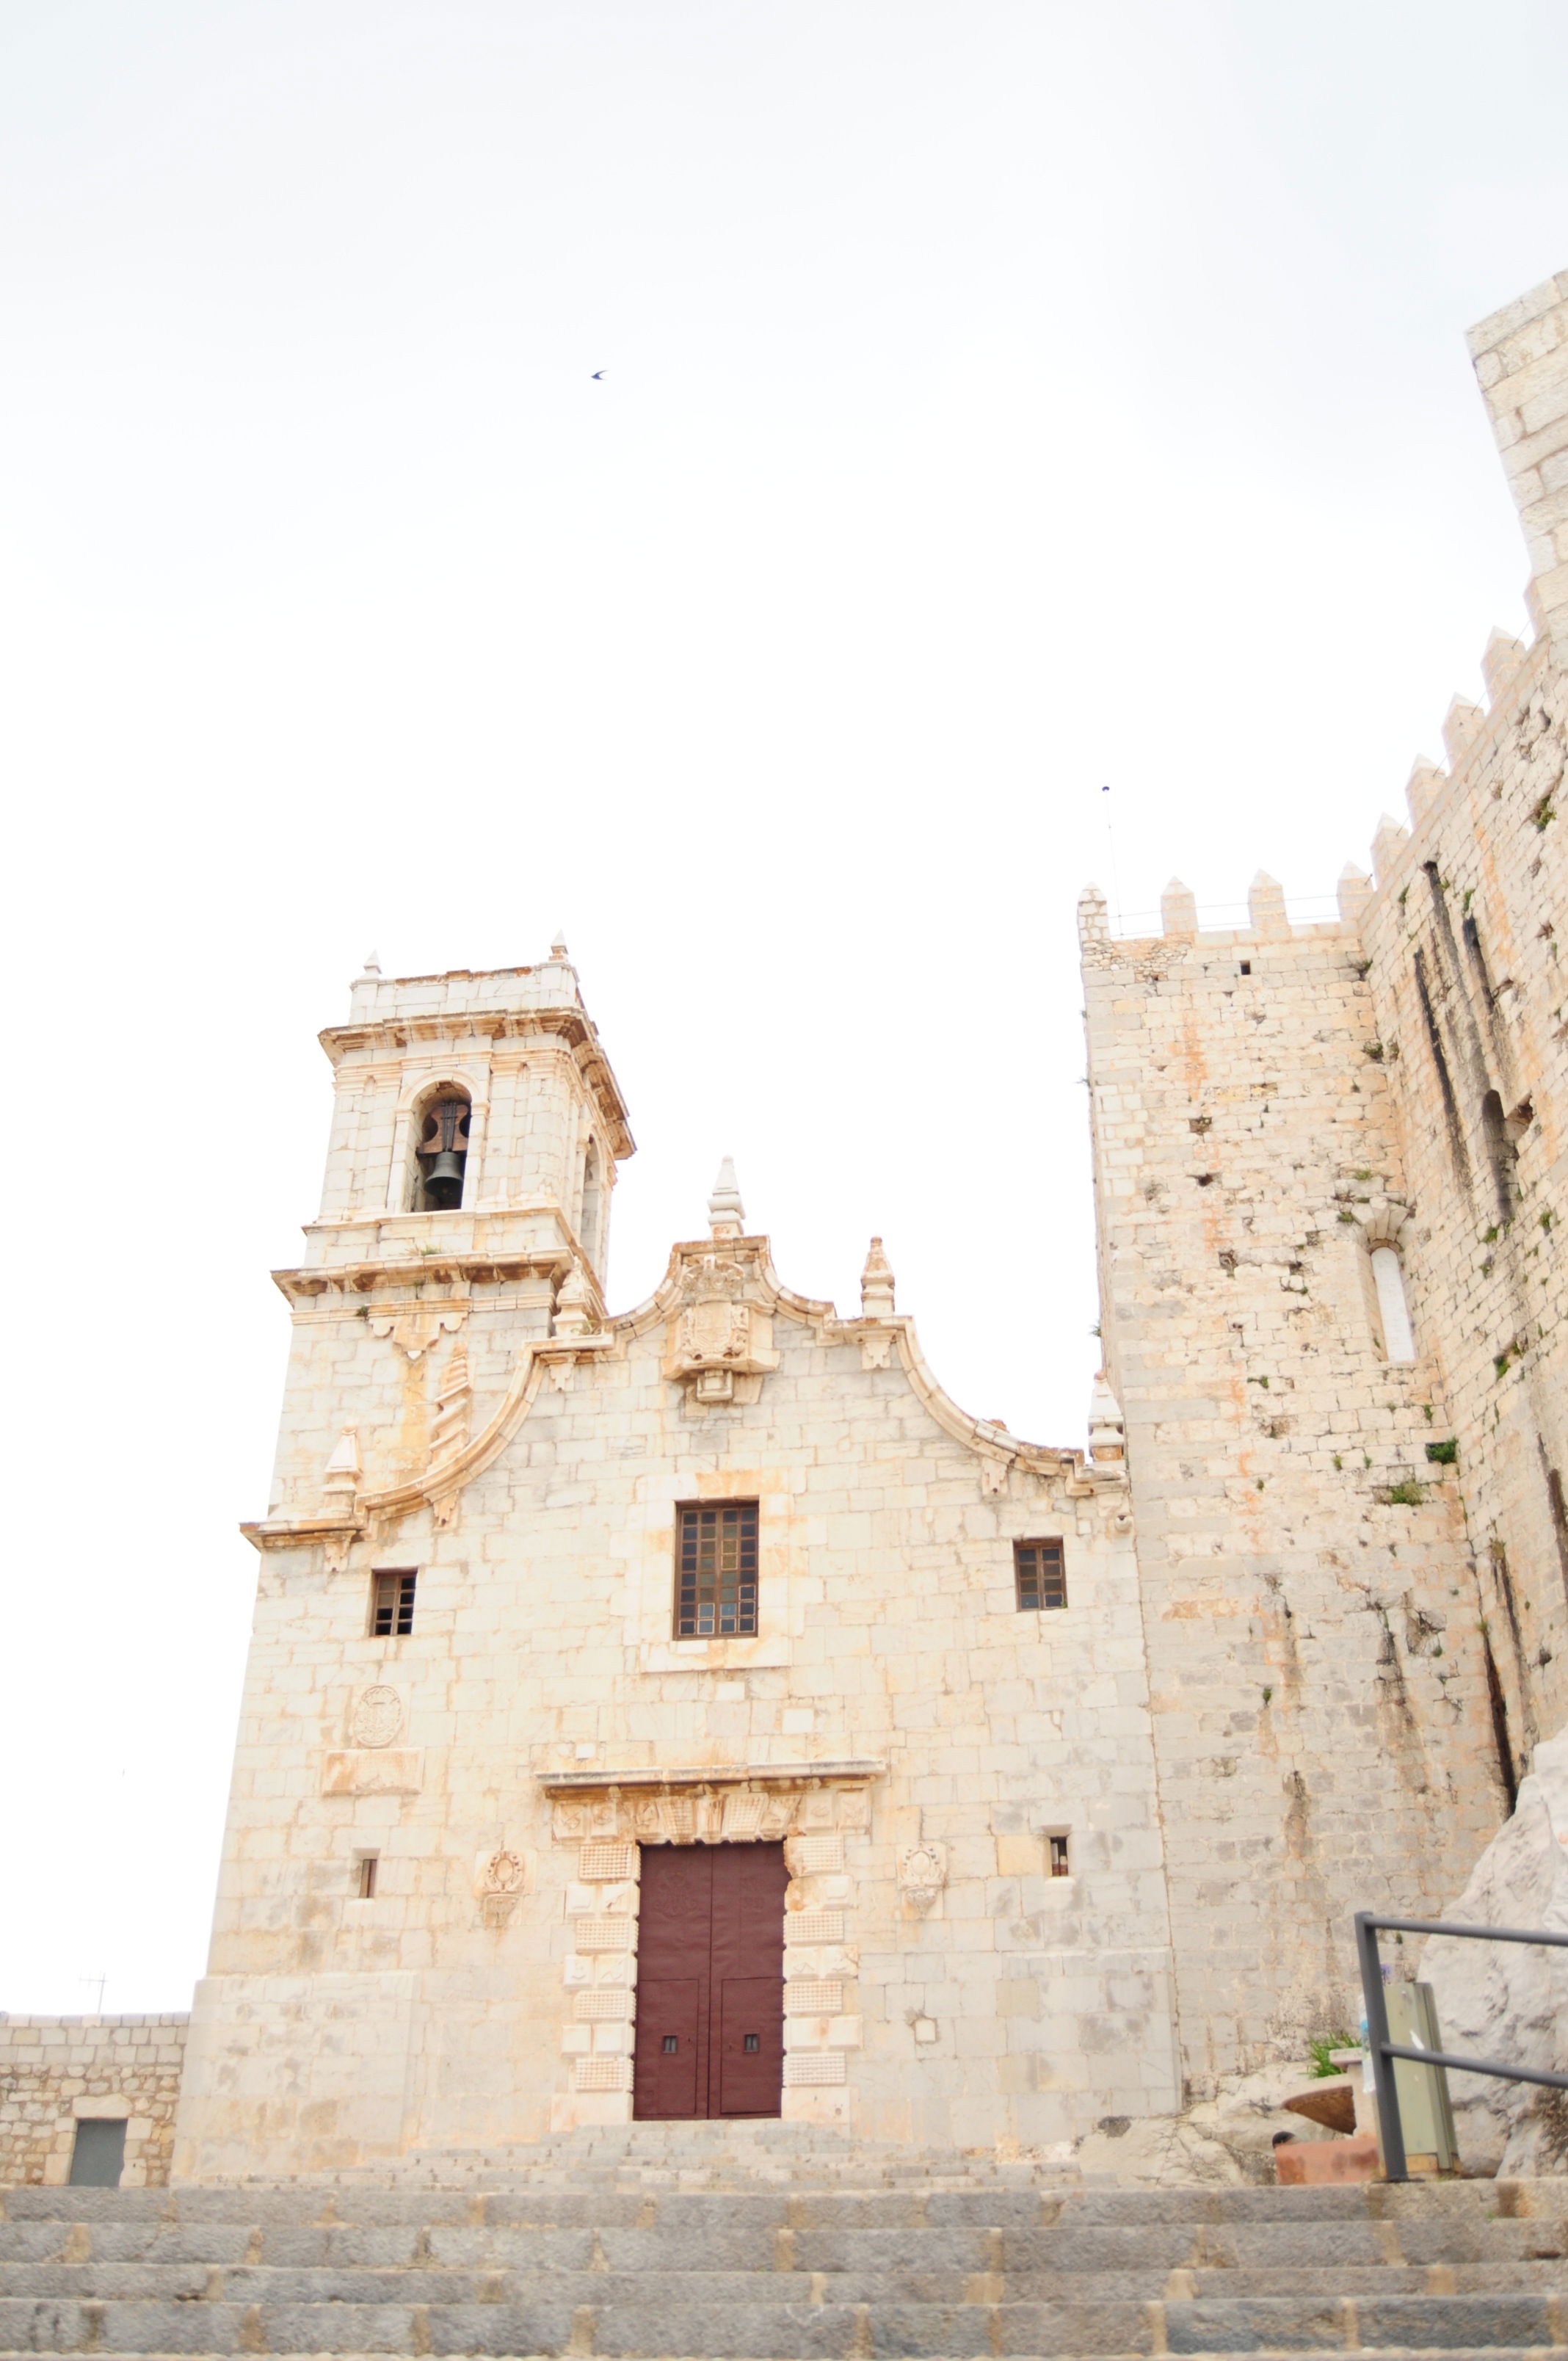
(1064, 2249)
(656, 2324)
(319, 2204)
(922, 2283)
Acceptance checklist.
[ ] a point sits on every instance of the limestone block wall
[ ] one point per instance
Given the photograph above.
(54, 2069)
(1316, 1684)
(1470, 998)
(913, 1736)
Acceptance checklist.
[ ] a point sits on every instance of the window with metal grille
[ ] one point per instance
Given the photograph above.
(1041, 1574)
(392, 1604)
(716, 1570)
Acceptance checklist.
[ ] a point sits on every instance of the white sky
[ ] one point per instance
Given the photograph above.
(1000, 400)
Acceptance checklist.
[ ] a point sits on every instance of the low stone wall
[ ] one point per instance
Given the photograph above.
(54, 2069)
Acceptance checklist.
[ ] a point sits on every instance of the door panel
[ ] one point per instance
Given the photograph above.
(665, 2076)
(710, 1978)
(750, 2047)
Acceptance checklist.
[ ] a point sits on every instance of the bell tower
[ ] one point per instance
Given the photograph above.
(477, 1128)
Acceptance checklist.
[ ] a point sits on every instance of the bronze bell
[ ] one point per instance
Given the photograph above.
(443, 1182)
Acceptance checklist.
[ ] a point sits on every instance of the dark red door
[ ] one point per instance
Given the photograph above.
(710, 1980)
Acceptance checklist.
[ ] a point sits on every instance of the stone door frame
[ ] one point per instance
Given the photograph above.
(607, 1817)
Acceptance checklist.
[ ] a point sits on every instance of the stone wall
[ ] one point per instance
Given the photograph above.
(1316, 1673)
(1353, 1548)
(55, 2069)
(1470, 992)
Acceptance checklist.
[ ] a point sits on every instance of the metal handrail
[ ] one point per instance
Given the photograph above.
(1367, 1926)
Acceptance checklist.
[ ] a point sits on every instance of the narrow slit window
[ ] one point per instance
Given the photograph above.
(1041, 1575)
(1060, 1862)
(365, 1875)
(1393, 1311)
(392, 1603)
(715, 1571)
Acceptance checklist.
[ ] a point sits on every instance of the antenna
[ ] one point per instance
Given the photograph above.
(100, 1981)
(1111, 841)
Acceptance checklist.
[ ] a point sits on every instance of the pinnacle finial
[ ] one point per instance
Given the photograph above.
(726, 1213)
(1107, 1430)
(876, 1285)
(372, 964)
(558, 947)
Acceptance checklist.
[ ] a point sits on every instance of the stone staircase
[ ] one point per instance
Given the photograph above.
(681, 2252)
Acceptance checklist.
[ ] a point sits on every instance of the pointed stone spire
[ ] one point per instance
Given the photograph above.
(372, 964)
(1461, 725)
(1107, 1433)
(1355, 894)
(1266, 908)
(1502, 658)
(726, 1213)
(558, 945)
(1179, 909)
(573, 1306)
(1093, 920)
(1387, 846)
(341, 1482)
(876, 1285)
(1423, 788)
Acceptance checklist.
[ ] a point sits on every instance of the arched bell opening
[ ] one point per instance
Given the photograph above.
(589, 1222)
(441, 1152)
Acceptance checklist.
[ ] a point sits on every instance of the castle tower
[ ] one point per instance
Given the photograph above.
(1329, 1164)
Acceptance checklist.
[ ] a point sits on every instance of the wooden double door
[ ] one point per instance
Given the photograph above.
(710, 1980)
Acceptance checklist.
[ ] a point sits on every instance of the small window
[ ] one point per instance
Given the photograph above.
(365, 1866)
(1393, 1311)
(98, 2156)
(1246, 967)
(671, 2045)
(392, 1604)
(1041, 1574)
(1060, 1864)
(715, 1571)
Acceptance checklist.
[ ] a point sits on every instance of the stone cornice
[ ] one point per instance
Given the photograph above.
(570, 1027)
(427, 1274)
(852, 1770)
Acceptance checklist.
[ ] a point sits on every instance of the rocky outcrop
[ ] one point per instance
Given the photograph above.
(1509, 2000)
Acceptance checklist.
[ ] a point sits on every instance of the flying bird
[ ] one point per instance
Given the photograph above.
(598, 373)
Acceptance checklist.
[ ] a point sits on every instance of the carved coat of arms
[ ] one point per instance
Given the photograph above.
(716, 1336)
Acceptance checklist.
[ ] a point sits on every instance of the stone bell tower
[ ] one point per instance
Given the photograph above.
(476, 1131)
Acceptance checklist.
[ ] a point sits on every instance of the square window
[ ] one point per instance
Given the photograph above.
(715, 1571)
(98, 2155)
(1041, 1574)
(392, 1603)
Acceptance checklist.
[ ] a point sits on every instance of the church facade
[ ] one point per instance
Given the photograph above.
(690, 1712)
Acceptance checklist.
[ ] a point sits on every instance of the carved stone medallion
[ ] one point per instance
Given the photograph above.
(377, 1716)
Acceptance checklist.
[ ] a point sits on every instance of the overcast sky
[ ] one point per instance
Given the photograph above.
(999, 400)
